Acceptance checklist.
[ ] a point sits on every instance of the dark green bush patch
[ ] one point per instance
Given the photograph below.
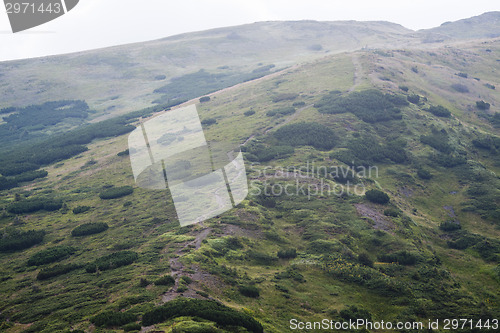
(81, 209)
(20, 240)
(53, 271)
(377, 196)
(249, 291)
(370, 105)
(116, 192)
(310, 134)
(439, 111)
(51, 255)
(166, 280)
(113, 319)
(35, 204)
(400, 257)
(89, 229)
(206, 309)
(112, 261)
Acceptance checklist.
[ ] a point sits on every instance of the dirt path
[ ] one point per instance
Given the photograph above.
(358, 72)
(178, 268)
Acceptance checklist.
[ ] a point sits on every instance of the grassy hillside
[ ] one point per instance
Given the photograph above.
(412, 235)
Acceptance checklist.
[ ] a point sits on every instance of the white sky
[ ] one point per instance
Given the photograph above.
(100, 23)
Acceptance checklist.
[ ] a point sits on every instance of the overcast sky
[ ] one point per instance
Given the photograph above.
(100, 23)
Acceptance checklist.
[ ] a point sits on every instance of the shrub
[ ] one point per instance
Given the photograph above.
(438, 141)
(261, 258)
(394, 212)
(377, 196)
(81, 209)
(49, 272)
(439, 111)
(89, 229)
(112, 261)
(415, 99)
(424, 174)
(401, 257)
(290, 273)
(126, 152)
(249, 291)
(206, 309)
(404, 88)
(287, 254)
(370, 105)
(482, 105)
(310, 134)
(461, 88)
(185, 279)
(21, 240)
(464, 75)
(490, 86)
(166, 280)
(450, 226)
(299, 104)
(33, 205)
(364, 259)
(249, 113)
(116, 192)
(113, 319)
(132, 327)
(280, 111)
(209, 121)
(204, 99)
(51, 255)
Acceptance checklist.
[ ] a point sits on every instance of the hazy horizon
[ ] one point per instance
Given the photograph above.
(95, 24)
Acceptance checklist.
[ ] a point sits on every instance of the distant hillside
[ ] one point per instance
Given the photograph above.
(486, 25)
(123, 78)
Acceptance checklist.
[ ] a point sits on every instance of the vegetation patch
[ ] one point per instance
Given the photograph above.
(112, 261)
(206, 309)
(370, 105)
(307, 134)
(89, 229)
(51, 255)
(116, 192)
(20, 240)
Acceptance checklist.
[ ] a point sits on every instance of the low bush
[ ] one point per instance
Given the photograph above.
(415, 99)
(249, 113)
(400, 257)
(287, 254)
(377, 196)
(49, 272)
(249, 291)
(112, 261)
(280, 111)
(113, 319)
(116, 192)
(81, 209)
(204, 99)
(15, 241)
(439, 111)
(482, 105)
(51, 255)
(206, 309)
(424, 174)
(32, 205)
(166, 280)
(89, 229)
(450, 226)
(310, 134)
(394, 212)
